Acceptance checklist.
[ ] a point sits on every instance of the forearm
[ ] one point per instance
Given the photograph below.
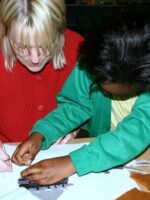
(131, 137)
(107, 152)
(75, 106)
(60, 122)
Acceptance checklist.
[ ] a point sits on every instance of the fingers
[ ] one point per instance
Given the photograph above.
(65, 139)
(27, 150)
(4, 156)
(75, 132)
(58, 141)
(68, 137)
(38, 178)
(19, 155)
(28, 159)
(5, 166)
(38, 175)
(42, 181)
(24, 155)
(31, 171)
(49, 171)
(35, 174)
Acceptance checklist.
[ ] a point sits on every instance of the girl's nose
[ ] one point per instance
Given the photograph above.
(34, 57)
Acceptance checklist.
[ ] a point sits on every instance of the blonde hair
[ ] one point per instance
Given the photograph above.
(45, 18)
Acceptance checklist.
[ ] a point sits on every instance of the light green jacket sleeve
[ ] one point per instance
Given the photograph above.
(75, 106)
(114, 148)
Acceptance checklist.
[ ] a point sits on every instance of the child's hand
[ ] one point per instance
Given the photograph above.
(5, 164)
(27, 150)
(49, 171)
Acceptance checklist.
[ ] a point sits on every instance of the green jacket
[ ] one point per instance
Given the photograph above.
(82, 104)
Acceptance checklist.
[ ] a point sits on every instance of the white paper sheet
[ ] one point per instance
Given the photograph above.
(97, 186)
(19, 194)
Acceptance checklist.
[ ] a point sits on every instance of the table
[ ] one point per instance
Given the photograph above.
(105, 186)
(104, 180)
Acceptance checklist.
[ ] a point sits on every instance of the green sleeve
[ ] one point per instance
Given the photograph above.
(74, 108)
(131, 137)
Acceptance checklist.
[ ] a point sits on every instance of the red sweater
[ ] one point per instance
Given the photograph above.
(26, 97)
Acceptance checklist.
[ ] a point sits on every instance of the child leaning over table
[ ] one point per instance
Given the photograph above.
(107, 94)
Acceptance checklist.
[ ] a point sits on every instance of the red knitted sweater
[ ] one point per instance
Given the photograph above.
(26, 97)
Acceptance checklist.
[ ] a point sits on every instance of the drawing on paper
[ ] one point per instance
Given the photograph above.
(45, 192)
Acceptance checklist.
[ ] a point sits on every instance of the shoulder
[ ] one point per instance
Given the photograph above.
(143, 101)
(1, 56)
(144, 96)
(2, 67)
(73, 36)
(72, 44)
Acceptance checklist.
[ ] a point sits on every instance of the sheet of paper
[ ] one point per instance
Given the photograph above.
(9, 180)
(105, 186)
(19, 194)
(141, 164)
(99, 185)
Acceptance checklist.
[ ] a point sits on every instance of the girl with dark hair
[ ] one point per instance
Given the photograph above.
(108, 95)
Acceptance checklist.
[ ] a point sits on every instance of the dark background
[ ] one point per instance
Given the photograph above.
(84, 18)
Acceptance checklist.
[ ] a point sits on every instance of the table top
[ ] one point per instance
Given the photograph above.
(113, 183)
(72, 141)
(90, 176)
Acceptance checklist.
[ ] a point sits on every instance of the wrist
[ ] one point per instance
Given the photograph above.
(37, 136)
(71, 166)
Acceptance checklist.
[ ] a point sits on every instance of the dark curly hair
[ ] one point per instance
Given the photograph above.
(119, 52)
